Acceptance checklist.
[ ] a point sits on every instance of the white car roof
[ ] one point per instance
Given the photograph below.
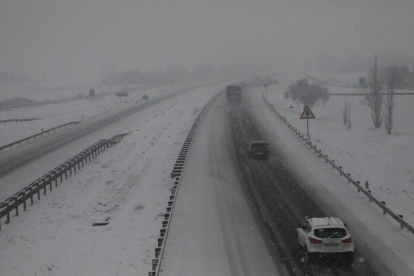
(326, 222)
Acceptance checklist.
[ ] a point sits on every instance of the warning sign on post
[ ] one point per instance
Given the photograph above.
(307, 113)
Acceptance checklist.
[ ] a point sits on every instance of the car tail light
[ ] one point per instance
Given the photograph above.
(348, 240)
(315, 241)
(266, 149)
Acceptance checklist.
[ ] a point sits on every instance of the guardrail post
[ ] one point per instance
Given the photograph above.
(366, 185)
(383, 211)
(8, 211)
(17, 206)
(358, 184)
(154, 264)
(333, 166)
(50, 183)
(402, 226)
(157, 252)
(38, 190)
(160, 241)
(24, 200)
(31, 194)
(369, 191)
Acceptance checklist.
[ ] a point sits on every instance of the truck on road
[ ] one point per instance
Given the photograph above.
(233, 93)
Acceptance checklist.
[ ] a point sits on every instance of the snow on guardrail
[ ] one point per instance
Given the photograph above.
(38, 134)
(35, 188)
(367, 192)
(176, 175)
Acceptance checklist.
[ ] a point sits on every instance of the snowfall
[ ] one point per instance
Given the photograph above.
(129, 184)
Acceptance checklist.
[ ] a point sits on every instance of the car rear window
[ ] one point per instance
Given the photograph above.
(259, 146)
(326, 233)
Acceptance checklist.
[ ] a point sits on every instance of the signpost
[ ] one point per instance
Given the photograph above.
(91, 95)
(307, 114)
(362, 82)
(266, 85)
(122, 94)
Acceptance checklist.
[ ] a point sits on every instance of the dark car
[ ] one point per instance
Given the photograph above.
(258, 149)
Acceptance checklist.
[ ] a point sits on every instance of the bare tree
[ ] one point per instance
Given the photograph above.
(374, 99)
(307, 93)
(348, 123)
(389, 101)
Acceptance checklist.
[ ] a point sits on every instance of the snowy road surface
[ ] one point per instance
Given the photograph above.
(210, 221)
(213, 231)
(128, 185)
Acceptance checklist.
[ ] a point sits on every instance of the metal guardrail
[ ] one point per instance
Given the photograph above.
(363, 94)
(36, 187)
(176, 174)
(381, 204)
(19, 120)
(36, 135)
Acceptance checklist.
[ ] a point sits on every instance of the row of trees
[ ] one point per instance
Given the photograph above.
(307, 93)
(403, 77)
(376, 99)
(382, 104)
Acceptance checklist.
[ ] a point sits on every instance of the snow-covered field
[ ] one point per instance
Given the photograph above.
(367, 153)
(52, 115)
(128, 185)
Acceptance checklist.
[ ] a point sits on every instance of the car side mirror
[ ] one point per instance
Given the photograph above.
(300, 225)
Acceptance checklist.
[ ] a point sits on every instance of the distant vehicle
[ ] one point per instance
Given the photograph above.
(258, 149)
(325, 237)
(233, 93)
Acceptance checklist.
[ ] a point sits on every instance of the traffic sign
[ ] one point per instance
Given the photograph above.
(307, 113)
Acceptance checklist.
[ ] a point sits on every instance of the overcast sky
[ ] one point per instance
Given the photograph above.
(78, 41)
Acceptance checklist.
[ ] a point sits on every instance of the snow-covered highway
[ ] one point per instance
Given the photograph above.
(232, 216)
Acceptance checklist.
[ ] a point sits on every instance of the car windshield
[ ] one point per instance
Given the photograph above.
(259, 146)
(326, 233)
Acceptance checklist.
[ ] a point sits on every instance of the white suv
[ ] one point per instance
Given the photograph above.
(325, 236)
